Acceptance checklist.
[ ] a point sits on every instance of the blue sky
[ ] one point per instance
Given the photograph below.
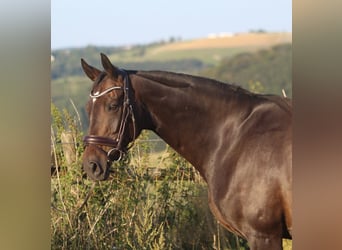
(79, 23)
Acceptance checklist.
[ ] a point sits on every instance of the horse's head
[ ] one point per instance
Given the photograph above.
(111, 118)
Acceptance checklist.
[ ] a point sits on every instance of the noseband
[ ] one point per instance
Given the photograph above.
(116, 152)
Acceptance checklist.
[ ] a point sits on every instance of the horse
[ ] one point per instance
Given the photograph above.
(239, 141)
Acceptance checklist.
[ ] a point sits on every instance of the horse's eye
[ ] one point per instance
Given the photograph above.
(113, 106)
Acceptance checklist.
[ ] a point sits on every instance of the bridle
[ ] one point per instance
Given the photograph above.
(116, 152)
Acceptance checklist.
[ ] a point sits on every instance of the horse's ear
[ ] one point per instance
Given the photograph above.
(90, 71)
(107, 65)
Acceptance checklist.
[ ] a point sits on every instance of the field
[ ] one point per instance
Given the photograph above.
(208, 50)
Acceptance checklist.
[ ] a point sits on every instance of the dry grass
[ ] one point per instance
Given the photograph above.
(287, 244)
(240, 40)
(208, 50)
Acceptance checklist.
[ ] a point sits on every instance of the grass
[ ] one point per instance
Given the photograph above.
(71, 85)
(208, 56)
(287, 244)
(134, 211)
(232, 41)
(209, 51)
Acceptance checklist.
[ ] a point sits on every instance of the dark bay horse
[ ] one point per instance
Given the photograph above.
(240, 142)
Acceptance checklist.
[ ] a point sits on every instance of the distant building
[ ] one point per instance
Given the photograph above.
(220, 35)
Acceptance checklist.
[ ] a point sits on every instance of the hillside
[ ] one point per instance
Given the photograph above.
(243, 41)
(209, 51)
(266, 71)
(257, 61)
(181, 56)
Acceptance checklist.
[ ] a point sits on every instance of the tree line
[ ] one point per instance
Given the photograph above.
(264, 71)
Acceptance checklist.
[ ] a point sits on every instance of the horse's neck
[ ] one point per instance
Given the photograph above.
(184, 118)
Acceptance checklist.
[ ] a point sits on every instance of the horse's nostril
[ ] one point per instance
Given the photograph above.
(95, 168)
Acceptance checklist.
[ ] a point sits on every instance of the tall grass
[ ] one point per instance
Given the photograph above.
(136, 208)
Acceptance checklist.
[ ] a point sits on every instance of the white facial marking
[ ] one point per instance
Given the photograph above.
(96, 93)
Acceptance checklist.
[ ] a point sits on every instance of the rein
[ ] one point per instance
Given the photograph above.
(116, 152)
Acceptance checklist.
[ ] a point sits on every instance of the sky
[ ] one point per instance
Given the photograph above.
(80, 23)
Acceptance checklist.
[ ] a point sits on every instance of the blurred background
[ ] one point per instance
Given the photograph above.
(238, 42)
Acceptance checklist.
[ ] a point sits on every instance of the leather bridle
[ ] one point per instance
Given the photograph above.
(116, 152)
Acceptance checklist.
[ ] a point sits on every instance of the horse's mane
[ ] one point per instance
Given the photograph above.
(180, 80)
